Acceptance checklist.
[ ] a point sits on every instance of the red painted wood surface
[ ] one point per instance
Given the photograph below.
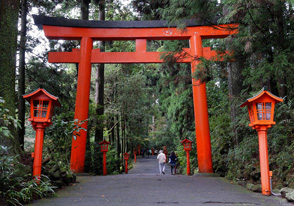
(104, 164)
(78, 149)
(39, 128)
(263, 158)
(98, 57)
(188, 162)
(200, 111)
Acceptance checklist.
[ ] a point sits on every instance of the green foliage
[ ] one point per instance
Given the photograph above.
(128, 95)
(58, 138)
(174, 117)
(16, 183)
(243, 160)
(220, 124)
(56, 79)
(149, 9)
(6, 120)
(7, 124)
(111, 161)
(193, 9)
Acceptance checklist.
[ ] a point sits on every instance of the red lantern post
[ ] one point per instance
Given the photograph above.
(187, 147)
(139, 149)
(126, 158)
(135, 155)
(261, 113)
(104, 148)
(42, 105)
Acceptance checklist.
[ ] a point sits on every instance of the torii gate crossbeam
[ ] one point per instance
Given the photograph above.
(139, 31)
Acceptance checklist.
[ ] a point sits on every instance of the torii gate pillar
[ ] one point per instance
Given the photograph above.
(78, 148)
(200, 111)
(87, 31)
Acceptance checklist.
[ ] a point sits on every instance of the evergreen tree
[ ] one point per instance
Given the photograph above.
(8, 34)
(99, 91)
(21, 71)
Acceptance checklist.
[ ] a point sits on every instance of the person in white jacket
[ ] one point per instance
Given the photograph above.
(161, 160)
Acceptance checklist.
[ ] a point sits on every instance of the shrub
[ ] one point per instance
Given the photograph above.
(16, 183)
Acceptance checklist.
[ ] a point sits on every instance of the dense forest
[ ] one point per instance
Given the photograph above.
(146, 104)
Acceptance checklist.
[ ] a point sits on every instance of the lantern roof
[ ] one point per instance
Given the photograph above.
(259, 95)
(39, 92)
(104, 142)
(186, 140)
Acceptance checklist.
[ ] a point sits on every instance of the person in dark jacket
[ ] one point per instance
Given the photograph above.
(173, 162)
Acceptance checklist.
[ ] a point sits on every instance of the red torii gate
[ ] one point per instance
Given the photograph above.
(140, 31)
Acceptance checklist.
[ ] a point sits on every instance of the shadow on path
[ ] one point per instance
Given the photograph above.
(144, 186)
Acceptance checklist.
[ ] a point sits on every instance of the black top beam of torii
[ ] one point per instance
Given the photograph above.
(59, 21)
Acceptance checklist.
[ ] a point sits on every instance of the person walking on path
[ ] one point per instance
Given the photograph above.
(161, 161)
(173, 162)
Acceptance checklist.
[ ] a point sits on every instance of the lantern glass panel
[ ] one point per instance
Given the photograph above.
(36, 108)
(40, 108)
(264, 110)
(259, 110)
(45, 108)
(268, 108)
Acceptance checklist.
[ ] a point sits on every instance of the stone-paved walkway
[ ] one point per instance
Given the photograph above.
(144, 186)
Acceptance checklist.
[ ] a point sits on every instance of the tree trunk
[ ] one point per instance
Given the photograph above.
(122, 139)
(21, 73)
(85, 9)
(111, 126)
(125, 134)
(8, 34)
(282, 89)
(118, 145)
(235, 82)
(99, 94)
(99, 99)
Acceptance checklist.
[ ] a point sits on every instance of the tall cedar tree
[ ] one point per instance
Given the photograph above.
(8, 34)
(99, 91)
(21, 73)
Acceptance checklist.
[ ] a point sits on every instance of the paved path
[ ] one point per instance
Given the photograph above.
(144, 186)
